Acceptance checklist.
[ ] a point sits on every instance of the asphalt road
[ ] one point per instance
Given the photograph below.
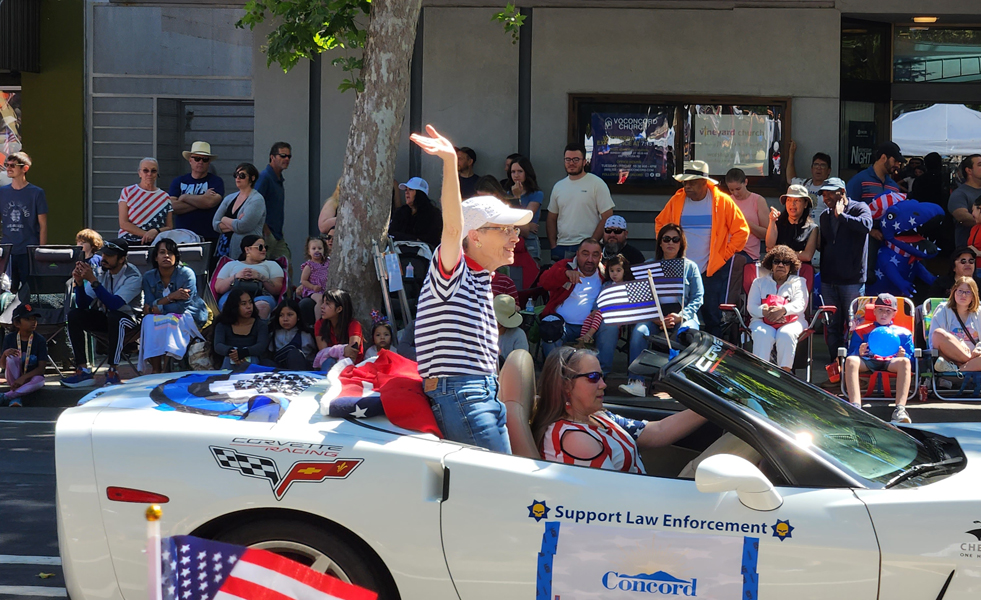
(28, 530)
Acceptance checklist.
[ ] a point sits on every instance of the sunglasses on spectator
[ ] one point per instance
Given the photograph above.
(148, 170)
(506, 229)
(241, 175)
(966, 261)
(781, 261)
(330, 238)
(203, 159)
(12, 164)
(591, 377)
(286, 156)
(259, 247)
(615, 230)
(671, 239)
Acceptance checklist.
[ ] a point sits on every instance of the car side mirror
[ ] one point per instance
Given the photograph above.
(726, 473)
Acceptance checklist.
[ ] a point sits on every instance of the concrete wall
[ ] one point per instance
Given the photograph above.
(53, 111)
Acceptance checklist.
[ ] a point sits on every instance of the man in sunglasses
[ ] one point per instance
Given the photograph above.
(196, 195)
(615, 241)
(106, 303)
(270, 185)
(24, 213)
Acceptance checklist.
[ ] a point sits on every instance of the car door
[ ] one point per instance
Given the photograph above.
(818, 544)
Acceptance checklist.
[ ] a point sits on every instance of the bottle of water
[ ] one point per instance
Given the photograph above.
(410, 271)
(530, 306)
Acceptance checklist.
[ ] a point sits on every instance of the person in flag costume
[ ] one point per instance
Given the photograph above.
(670, 267)
(571, 426)
(455, 328)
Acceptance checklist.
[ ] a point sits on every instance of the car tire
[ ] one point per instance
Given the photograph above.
(337, 553)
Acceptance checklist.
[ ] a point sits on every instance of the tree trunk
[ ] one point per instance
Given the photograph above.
(369, 163)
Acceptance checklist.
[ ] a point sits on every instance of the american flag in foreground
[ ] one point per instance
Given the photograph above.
(633, 301)
(198, 569)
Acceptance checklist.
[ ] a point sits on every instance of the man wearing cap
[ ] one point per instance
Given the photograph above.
(793, 226)
(573, 284)
(615, 241)
(869, 184)
(862, 356)
(579, 206)
(510, 336)
(715, 229)
(844, 244)
(417, 220)
(455, 329)
(466, 158)
(106, 303)
(270, 185)
(24, 213)
(195, 195)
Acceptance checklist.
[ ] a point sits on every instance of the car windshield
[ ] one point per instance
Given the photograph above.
(860, 442)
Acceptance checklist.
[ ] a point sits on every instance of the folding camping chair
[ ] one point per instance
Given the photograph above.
(742, 318)
(880, 382)
(50, 269)
(957, 386)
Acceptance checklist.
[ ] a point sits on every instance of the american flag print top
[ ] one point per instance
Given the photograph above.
(616, 434)
(146, 209)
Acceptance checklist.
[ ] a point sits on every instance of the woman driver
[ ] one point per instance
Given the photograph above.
(571, 426)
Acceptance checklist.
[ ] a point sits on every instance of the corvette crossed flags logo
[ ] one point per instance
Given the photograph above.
(262, 467)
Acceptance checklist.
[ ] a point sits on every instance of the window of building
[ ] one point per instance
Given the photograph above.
(637, 143)
(936, 55)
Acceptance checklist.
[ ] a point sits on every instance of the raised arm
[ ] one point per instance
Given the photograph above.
(451, 241)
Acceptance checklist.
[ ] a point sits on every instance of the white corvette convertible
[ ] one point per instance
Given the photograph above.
(786, 493)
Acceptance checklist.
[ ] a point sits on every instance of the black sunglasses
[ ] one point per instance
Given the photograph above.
(615, 230)
(591, 377)
(201, 159)
(781, 261)
(285, 155)
(241, 175)
(259, 247)
(671, 239)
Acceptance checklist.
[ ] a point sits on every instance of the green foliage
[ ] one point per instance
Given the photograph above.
(512, 20)
(306, 28)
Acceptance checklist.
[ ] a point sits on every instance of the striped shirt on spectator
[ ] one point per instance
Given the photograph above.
(455, 331)
(146, 209)
(502, 284)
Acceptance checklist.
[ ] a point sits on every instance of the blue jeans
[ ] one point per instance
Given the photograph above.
(716, 292)
(608, 335)
(572, 333)
(840, 296)
(327, 365)
(561, 252)
(467, 410)
(264, 298)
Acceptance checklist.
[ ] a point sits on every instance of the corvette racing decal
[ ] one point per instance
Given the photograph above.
(280, 446)
(262, 467)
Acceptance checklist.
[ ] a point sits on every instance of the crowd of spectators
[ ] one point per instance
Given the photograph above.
(262, 318)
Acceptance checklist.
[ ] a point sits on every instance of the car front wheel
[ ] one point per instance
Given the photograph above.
(337, 554)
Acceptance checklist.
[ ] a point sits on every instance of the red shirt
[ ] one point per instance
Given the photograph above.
(353, 330)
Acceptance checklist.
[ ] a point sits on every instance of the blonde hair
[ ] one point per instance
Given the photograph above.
(969, 282)
(92, 237)
(21, 157)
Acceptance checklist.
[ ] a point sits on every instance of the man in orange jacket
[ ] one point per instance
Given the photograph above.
(715, 229)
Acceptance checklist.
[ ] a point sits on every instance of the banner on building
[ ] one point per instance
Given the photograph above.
(861, 143)
(584, 561)
(742, 141)
(632, 148)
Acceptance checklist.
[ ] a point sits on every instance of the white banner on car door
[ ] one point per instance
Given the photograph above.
(580, 562)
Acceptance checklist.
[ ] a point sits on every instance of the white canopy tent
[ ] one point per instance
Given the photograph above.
(948, 129)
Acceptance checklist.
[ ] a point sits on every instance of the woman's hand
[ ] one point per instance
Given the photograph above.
(518, 189)
(774, 215)
(435, 144)
(233, 355)
(671, 320)
(10, 352)
(351, 351)
(245, 274)
(149, 236)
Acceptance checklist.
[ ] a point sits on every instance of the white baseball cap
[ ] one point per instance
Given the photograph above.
(480, 210)
(416, 183)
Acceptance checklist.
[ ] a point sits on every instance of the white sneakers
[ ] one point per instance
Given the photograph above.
(634, 387)
(900, 415)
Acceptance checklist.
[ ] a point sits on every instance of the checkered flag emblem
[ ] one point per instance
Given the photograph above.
(247, 464)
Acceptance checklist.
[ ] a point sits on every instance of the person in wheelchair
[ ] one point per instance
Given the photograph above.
(955, 329)
(571, 426)
(861, 359)
(777, 301)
